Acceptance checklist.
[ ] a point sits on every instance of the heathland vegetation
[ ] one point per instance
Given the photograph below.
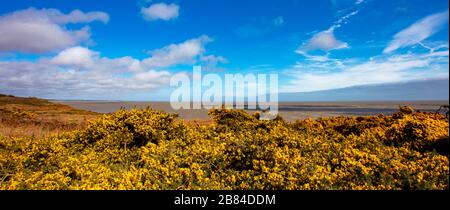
(148, 149)
(34, 117)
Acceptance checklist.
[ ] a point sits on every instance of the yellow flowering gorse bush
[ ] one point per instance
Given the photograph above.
(147, 149)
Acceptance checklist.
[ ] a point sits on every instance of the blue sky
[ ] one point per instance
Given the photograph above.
(127, 50)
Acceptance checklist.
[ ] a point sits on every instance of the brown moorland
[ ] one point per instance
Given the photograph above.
(21, 116)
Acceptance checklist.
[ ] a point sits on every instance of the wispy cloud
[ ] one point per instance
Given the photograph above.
(260, 27)
(418, 31)
(318, 76)
(346, 4)
(322, 72)
(342, 20)
(359, 2)
(278, 21)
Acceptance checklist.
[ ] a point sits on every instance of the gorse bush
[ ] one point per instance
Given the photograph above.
(147, 149)
(23, 114)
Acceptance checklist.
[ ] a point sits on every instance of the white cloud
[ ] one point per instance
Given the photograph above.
(36, 31)
(102, 76)
(48, 80)
(183, 53)
(160, 11)
(418, 31)
(79, 71)
(321, 72)
(324, 41)
(78, 56)
(318, 76)
(76, 16)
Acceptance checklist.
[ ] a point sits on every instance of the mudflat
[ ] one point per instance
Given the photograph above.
(290, 111)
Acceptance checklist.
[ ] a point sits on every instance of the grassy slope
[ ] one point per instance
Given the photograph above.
(38, 117)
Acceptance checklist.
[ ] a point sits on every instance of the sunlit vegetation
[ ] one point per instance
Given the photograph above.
(25, 117)
(148, 149)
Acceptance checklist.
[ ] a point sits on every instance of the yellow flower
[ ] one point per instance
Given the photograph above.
(147, 149)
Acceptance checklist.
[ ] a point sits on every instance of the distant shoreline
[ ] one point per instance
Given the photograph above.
(305, 102)
(290, 111)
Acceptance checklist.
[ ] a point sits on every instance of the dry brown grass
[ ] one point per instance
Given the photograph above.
(20, 117)
(34, 117)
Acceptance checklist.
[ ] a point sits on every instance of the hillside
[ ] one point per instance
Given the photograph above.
(21, 116)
